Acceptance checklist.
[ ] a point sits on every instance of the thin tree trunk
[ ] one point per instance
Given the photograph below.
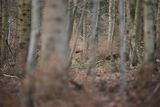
(149, 30)
(77, 34)
(4, 31)
(1, 40)
(35, 32)
(93, 39)
(122, 47)
(23, 32)
(112, 13)
(85, 38)
(128, 28)
(158, 33)
(71, 16)
(135, 34)
(113, 28)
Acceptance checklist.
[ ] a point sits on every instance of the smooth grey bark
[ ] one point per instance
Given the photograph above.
(149, 30)
(54, 32)
(35, 31)
(53, 73)
(93, 38)
(158, 33)
(122, 47)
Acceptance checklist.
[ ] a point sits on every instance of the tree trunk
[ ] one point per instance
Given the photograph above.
(51, 78)
(149, 30)
(93, 39)
(23, 33)
(122, 47)
(135, 34)
(158, 32)
(1, 61)
(77, 34)
(4, 29)
(111, 24)
(35, 32)
(71, 16)
(54, 39)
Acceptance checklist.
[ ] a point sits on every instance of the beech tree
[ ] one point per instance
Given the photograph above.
(35, 32)
(53, 59)
(149, 30)
(23, 33)
(93, 38)
(122, 47)
(54, 39)
(158, 31)
(4, 30)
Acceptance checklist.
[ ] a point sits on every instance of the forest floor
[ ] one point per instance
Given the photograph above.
(142, 83)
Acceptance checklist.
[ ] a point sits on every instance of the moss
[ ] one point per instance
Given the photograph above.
(76, 64)
(109, 63)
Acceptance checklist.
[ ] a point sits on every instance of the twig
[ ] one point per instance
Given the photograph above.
(10, 76)
(154, 92)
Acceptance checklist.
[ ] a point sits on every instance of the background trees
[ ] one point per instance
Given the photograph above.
(149, 30)
(158, 31)
(23, 32)
(56, 44)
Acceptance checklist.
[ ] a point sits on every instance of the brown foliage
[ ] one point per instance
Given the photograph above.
(145, 89)
(51, 88)
(8, 91)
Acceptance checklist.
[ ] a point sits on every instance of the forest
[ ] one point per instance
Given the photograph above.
(79, 53)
